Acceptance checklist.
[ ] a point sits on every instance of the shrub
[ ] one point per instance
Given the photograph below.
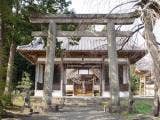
(6, 100)
(135, 83)
(26, 82)
(2, 99)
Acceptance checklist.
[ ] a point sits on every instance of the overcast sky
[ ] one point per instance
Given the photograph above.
(105, 6)
(98, 6)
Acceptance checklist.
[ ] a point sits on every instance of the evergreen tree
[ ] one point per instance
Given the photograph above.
(18, 29)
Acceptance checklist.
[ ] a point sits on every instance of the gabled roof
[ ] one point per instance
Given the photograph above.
(95, 43)
(86, 47)
(85, 43)
(145, 64)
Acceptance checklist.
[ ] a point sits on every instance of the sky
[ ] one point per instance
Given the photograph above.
(104, 7)
(97, 6)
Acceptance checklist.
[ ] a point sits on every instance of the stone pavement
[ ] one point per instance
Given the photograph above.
(73, 113)
(78, 113)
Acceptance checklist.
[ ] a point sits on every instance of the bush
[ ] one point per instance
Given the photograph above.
(6, 100)
(2, 99)
(1, 109)
(135, 83)
(26, 82)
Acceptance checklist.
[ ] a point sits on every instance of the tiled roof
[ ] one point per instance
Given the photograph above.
(85, 43)
(97, 43)
(145, 63)
(36, 44)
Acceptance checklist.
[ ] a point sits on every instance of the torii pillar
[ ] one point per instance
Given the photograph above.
(113, 68)
(49, 69)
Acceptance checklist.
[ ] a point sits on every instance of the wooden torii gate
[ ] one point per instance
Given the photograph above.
(110, 20)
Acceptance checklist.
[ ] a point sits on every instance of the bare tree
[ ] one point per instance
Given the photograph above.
(149, 12)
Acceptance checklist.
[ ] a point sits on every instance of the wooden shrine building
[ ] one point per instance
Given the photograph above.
(94, 67)
(84, 68)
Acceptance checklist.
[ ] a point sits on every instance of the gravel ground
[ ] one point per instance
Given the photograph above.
(72, 113)
(78, 113)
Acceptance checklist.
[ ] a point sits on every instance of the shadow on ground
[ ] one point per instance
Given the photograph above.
(73, 113)
(79, 113)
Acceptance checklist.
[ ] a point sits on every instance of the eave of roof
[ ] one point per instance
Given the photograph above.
(132, 55)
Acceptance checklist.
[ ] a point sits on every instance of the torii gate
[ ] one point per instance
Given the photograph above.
(110, 20)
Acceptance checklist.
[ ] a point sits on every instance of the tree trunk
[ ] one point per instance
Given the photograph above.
(0, 36)
(156, 93)
(3, 62)
(131, 100)
(155, 54)
(1, 45)
(9, 76)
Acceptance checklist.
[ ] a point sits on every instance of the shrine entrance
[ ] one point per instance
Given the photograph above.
(111, 21)
(83, 82)
(85, 86)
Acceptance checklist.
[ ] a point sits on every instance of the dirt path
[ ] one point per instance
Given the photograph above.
(78, 113)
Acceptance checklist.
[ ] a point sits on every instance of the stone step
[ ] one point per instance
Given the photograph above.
(70, 101)
(88, 101)
(95, 102)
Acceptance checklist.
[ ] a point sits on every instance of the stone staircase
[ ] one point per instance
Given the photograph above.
(96, 102)
(84, 101)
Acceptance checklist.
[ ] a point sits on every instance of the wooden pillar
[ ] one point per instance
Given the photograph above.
(113, 68)
(49, 69)
(102, 79)
(83, 87)
(62, 78)
(65, 80)
(93, 87)
(144, 79)
(125, 74)
(73, 89)
(130, 99)
(140, 85)
(36, 75)
(100, 91)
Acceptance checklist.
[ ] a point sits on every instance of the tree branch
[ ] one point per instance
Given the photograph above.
(122, 5)
(127, 40)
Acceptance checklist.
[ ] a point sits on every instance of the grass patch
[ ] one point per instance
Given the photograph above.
(18, 100)
(143, 106)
